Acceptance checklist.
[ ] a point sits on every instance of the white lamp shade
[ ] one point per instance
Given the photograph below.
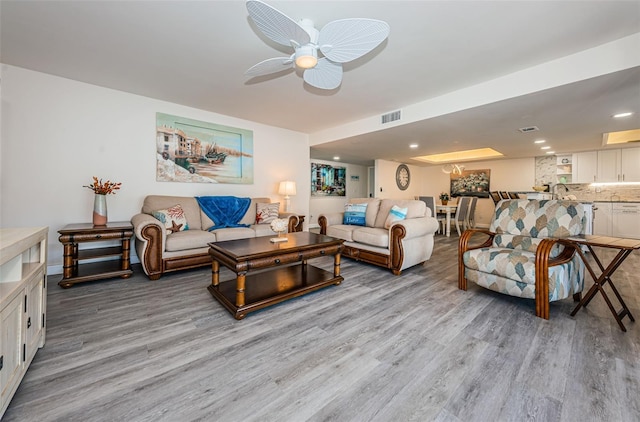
(287, 188)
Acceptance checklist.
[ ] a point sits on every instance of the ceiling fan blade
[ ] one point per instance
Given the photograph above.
(274, 65)
(276, 25)
(347, 39)
(326, 75)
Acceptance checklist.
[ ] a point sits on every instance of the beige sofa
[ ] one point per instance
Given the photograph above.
(160, 253)
(406, 243)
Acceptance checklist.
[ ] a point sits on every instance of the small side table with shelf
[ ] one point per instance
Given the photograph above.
(73, 271)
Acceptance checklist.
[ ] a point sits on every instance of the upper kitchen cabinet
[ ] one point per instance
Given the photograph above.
(630, 165)
(617, 165)
(585, 167)
(607, 166)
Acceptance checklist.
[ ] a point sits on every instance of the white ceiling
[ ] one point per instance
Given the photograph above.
(195, 53)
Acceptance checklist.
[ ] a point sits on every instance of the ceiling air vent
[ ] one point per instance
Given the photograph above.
(529, 129)
(391, 117)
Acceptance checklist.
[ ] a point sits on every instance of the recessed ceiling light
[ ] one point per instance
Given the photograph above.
(336, 158)
(551, 152)
(547, 147)
(621, 115)
(540, 141)
(413, 146)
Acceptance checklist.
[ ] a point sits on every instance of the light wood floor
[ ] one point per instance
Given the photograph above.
(376, 348)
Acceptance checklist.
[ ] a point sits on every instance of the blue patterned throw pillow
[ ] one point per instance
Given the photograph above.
(354, 214)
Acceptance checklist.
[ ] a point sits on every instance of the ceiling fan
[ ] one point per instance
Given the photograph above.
(319, 53)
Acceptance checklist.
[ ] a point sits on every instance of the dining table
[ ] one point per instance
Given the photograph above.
(447, 209)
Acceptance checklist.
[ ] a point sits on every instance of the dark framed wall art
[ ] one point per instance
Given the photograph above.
(471, 183)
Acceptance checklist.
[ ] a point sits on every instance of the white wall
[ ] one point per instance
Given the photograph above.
(330, 204)
(58, 133)
(506, 175)
(386, 186)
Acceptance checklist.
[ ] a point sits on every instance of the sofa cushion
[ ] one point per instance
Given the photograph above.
(538, 219)
(188, 203)
(516, 264)
(190, 239)
(173, 219)
(355, 214)
(267, 212)
(233, 233)
(371, 236)
(249, 217)
(262, 230)
(395, 214)
(373, 205)
(341, 231)
(414, 209)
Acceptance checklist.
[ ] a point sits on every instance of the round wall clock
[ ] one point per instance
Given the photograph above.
(403, 177)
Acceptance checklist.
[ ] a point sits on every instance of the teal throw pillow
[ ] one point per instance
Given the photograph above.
(395, 214)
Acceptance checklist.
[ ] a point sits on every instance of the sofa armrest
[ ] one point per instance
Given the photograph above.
(417, 227)
(332, 219)
(292, 218)
(463, 246)
(151, 239)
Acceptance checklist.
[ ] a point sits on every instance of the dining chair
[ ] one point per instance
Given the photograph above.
(430, 201)
(471, 220)
(513, 195)
(504, 195)
(462, 212)
(495, 195)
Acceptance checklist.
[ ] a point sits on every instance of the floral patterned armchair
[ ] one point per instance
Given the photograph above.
(523, 255)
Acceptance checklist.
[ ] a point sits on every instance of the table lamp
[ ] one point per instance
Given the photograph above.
(287, 188)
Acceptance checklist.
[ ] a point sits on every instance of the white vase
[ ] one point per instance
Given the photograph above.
(100, 210)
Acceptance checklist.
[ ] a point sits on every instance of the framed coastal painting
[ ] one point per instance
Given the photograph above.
(327, 180)
(193, 151)
(471, 183)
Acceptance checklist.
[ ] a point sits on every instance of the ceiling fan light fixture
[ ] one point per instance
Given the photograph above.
(306, 57)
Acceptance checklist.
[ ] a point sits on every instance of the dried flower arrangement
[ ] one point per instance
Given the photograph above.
(103, 188)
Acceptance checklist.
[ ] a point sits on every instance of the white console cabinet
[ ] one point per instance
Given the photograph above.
(23, 299)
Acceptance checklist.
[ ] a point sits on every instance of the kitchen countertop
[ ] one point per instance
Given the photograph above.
(626, 202)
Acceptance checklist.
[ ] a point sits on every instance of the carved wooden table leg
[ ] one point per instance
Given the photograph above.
(336, 266)
(240, 280)
(126, 256)
(215, 273)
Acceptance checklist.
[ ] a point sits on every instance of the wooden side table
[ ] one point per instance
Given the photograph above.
(73, 271)
(624, 248)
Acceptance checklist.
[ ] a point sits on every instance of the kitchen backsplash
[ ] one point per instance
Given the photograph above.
(586, 192)
(545, 173)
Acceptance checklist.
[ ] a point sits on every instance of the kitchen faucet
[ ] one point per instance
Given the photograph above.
(566, 189)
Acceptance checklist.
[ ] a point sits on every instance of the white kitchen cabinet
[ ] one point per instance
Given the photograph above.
(585, 167)
(23, 299)
(608, 166)
(630, 165)
(626, 220)
(602, 218)
(619, 165)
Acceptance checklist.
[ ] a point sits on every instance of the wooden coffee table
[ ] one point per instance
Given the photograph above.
(285, 273)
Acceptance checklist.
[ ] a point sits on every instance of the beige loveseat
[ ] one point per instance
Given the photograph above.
(404, 244)
(160, 252)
